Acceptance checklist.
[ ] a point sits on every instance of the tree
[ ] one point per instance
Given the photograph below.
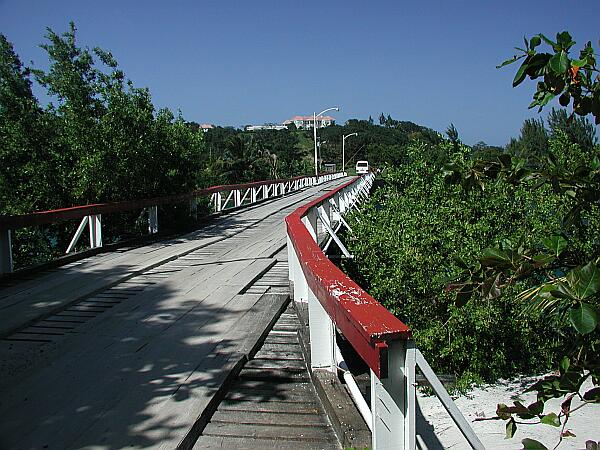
(579, 129)
(575, 80)
(389, 122)
(452, 134)
(100, 139)
(563, 268)
(532, 144)
(113, 144)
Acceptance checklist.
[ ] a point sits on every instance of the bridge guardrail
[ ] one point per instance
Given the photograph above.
(383, 341)
(221, 198)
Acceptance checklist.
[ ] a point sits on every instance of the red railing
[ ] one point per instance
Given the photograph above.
(366, 324)
(91, 214)
(77, 212)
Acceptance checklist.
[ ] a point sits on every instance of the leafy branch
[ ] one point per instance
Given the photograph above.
(574, 80)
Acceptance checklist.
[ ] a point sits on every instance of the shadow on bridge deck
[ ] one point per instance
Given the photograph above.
(127, 349)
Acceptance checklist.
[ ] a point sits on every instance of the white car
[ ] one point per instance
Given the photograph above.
(362, 167)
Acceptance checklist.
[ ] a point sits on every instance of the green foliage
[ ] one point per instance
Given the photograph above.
(574, 80)
(563, 268)
(417, 233)
(452, 134)
(99, 140)
(579, 130)
(532, 144)
(28, 166)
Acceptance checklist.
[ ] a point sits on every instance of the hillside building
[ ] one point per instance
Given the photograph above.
(307, 122)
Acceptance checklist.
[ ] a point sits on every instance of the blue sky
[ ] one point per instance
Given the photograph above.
(241, 62)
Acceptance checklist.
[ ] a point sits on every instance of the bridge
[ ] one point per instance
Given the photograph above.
(193, 341)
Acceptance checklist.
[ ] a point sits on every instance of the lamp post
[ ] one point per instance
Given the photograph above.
(344, 149)
(320, 153)
(315, 115)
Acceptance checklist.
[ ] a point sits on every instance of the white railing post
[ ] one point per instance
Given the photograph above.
(342, 201)
(447, 402)
(326, 210)
(322, 335)
(247, 193)
(410, 423)
(218, 202)
(237, 198)
(310, 222)
(194, 208)
(153, 220)
(336, 214)
(253, 195)
(78, 234)
(6, 261)
(265, 191)
(95, 225)
(296, 276)
(393, 400)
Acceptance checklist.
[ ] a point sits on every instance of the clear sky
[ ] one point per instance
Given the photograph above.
(242, 62)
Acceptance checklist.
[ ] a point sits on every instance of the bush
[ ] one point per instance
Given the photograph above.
(418, 232)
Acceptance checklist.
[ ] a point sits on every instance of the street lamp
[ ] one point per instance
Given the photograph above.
(315, 115)
(344, 149)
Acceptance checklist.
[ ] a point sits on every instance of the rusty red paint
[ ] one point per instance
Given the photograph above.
(366, 324)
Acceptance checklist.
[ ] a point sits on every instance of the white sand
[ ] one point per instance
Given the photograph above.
(482, 402)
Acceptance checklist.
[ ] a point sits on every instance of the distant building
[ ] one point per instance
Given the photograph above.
(206, 126)
(267, 126)
(307, 122)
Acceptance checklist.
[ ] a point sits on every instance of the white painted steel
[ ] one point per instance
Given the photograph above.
(389, 399)
(229, 197)
(253, 195)
(95, 223)
(410, 422)
(153, 219)
(219, 202)
(296, 277)
(322, 331)
(359, 400)
(310, 222)
(77, 235)
(330, 239)
(337, 216)
(447, 402)
(245, 196)
(393, 399)
(6, 262)
(326, 224)
(237, 198)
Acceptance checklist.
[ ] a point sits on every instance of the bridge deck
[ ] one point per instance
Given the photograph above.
(128, 349)
(272, 403)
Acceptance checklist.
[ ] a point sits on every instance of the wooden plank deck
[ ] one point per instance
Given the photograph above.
(272, 404)
(129, 349)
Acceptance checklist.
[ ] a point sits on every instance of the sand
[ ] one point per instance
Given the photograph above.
(482, 402)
